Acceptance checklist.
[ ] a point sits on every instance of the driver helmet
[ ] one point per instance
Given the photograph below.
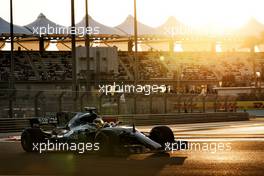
(98, 122)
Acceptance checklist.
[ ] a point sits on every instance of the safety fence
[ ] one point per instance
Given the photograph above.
(31, 103)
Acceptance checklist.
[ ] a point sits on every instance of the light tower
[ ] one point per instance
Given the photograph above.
(12, 63)
(136, 76)
(75, 88)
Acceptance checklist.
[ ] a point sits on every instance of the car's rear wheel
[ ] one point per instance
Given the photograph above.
(162, 135)
(30, 136)
(26, 141)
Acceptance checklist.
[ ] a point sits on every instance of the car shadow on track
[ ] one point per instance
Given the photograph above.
(83, 164)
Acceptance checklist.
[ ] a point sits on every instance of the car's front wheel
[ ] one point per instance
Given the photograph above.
(162, 135)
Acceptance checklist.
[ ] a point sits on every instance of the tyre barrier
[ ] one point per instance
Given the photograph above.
(18, 124)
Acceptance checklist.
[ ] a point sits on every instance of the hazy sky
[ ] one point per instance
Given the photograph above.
(231, 13)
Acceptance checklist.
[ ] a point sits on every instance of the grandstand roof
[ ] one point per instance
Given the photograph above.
(128, 27)
(5, 28)
(103, 29)
(251, 28)
(173, 27)
(42, 21)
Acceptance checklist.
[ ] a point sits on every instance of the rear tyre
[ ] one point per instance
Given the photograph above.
(162, 135)
(30, 136)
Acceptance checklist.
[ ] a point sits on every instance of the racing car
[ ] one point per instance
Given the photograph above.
(112, 137)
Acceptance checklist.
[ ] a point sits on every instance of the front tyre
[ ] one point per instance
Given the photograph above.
(162, 135)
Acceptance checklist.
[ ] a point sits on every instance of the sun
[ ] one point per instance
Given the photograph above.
(218, 14)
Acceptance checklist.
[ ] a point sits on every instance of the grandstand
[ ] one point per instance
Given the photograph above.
(56, 65)
(191, 64)
(46, 79)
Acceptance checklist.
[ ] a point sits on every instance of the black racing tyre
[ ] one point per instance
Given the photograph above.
(162, 135)
(30, 136)
(26, 141)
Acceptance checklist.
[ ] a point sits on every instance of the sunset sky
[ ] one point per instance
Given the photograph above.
(220, 13)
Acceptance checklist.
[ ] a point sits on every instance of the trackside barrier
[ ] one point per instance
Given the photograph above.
(8, 125)
(18, 124)
(13, 125)
(166, 119)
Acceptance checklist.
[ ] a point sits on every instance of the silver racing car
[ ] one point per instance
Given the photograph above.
(88, 127)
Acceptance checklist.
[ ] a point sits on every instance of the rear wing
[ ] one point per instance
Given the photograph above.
(40, 121)
(58, 119)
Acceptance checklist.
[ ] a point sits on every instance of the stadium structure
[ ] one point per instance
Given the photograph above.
(191, 62)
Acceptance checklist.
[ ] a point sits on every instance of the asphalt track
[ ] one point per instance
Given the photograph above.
(246, 156)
